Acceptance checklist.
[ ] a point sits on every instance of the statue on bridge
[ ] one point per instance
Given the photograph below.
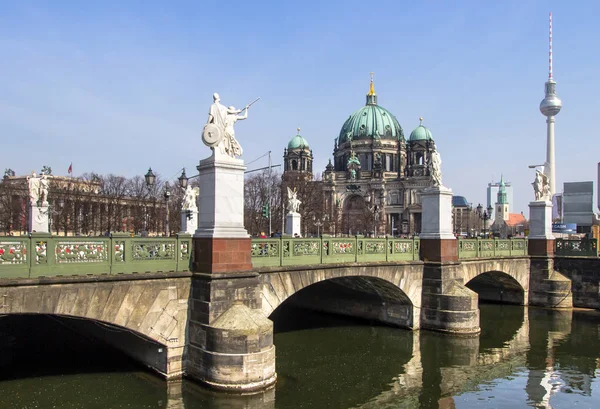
(190, 197)
(541, 186)
(436, 167)
(293, 201)
(218, 133)
(33, 183)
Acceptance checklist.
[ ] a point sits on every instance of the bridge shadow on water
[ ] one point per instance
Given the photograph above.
(46, 364)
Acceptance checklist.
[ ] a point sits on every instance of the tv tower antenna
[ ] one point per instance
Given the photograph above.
(550, 107)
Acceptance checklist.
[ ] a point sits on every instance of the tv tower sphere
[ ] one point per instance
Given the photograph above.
(551, 104)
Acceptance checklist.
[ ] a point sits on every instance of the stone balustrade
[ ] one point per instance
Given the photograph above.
(43, 255)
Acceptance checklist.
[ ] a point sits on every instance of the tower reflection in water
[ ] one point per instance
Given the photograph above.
(536, 354)
(523, 357)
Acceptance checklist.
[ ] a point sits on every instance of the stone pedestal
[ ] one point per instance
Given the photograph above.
(189, 221)
(230, 340)
(437, 239)
(447, 305)
(221, 243)
(292, 224)
(547, 287)
(437, 213)
(221, 203)
(38, 218)
(541, 240)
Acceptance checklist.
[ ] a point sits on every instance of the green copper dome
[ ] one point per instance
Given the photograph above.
(371, 122)
(420, 133)
(297, 142)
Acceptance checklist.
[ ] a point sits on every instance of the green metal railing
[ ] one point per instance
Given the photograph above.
(307, 251)
(482, 248)
(579, 248)
(42, 255)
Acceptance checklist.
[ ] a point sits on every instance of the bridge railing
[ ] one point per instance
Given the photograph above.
(578, 248)
(481, 248)
(42, 255)
(310, 251)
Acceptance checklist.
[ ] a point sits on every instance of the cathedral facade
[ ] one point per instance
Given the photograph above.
(373, 184)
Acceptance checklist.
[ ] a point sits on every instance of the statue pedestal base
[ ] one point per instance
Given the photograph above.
(189, 221)
(540, 220)
(221, 204)
(292, 224)
(38, 218)
(437, 214)
(221, 244)
(541, 240)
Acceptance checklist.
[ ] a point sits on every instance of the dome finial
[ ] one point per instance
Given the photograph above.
(372, 84)
(421, 121)
(298, 129)
(372, 96)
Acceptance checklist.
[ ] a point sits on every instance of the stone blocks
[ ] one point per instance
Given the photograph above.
(292, 224)
(221, 203)
(540, 223)
(236, 352)
(222, 255)
(437, 213)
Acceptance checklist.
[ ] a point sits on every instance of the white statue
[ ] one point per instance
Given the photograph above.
(44, 183)
(232, 146)
(436, 167)
(190, 198)
(218, 132)
(34, 188)
(541, 186)
(293, 202)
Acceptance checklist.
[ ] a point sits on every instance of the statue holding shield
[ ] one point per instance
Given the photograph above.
(218, 132)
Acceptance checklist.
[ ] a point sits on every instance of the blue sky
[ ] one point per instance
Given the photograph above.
(118, 86)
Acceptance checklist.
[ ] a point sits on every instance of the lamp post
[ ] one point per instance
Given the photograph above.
(484, 215)
(150, 181)
(469, 210)
(150, 178)
(319, 222)
(167, 195)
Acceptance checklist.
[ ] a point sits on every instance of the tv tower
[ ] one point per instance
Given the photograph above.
(550, 107)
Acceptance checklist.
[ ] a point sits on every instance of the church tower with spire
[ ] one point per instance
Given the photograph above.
(502, 211)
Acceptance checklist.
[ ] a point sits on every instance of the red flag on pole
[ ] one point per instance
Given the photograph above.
(70, 168)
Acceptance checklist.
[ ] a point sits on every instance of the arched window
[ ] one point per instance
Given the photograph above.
(294, 165)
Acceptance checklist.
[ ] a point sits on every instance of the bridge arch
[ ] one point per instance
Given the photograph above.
(499, 280)
(155, 310)
(387, 293)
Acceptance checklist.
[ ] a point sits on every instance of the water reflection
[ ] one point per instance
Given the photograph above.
(535, 357)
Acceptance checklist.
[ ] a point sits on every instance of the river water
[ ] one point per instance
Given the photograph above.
(524, 358)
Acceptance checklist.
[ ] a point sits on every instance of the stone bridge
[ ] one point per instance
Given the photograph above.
(142, 296)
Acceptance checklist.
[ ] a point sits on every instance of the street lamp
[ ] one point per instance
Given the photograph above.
(150, 180)
(485, 216)
(319, 223)
(167, 195)
(183, 179)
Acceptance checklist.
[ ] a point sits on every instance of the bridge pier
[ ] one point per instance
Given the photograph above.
(230, 342)
(547, 287)
(446, 304)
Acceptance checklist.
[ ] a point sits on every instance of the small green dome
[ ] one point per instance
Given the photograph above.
(298, 142)
(420, 133)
